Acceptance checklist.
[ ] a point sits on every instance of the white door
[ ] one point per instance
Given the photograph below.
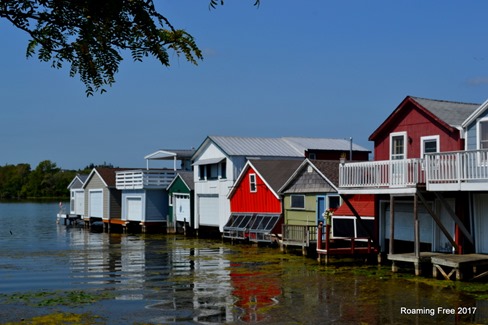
(398, 156)
(182, 207)
(95, 204)
(404, 222)
(442, 244)
(134, 209)
(481, 222)
(80, 202)
(208, 210)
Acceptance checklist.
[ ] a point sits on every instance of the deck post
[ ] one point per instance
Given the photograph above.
(416, 228)
(394, 268)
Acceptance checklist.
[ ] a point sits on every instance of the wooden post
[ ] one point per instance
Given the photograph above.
(394, 268)
(327, 242)
(416, 228)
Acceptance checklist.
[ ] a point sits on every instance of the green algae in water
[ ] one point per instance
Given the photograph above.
(56, 298)
(60, 318)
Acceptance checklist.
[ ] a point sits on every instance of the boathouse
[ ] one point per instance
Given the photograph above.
(427, 176)
(219, 160)
(181, 203)
(255, 204)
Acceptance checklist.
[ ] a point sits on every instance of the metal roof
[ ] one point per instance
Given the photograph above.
(279, 147)
(452, 113)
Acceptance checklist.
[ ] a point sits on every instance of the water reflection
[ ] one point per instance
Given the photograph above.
(159, 279)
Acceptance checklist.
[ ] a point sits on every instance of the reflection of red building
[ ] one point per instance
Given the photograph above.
(255, 205)
(254, 292)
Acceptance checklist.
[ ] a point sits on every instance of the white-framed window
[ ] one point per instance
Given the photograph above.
(252, 183)
(297, 201)
(213, 171)
(482, 128)
(429, 144)
(398, 145)
(333, 201)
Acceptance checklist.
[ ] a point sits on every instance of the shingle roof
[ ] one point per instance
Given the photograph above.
(187, 177)
(452, 113)
(329, 168)
(279, 147)
(276, 171)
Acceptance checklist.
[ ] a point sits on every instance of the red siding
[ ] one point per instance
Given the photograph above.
(417, 124)
(261, 201)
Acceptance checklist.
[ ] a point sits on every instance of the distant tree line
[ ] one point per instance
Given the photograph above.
(47, 180)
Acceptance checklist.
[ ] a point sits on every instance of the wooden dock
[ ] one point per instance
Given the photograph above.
(423, 259)
(68, 219)
(474, 265)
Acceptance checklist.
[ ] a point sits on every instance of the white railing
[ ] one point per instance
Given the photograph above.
(143, 179)
(382, 174)
(457, 167)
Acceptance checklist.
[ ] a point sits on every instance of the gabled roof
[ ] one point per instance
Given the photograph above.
(273, 172)
(276, 147)
(187, 179)
(79, 177)
(107, 175)
(364, 204)
(168, 154)
(327, 169)
(449, 114)
(480, 110)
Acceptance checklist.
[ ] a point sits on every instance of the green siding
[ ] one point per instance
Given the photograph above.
(295, 216)
(179, 186)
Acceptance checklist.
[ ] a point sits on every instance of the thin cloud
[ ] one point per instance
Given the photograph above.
(478, 81)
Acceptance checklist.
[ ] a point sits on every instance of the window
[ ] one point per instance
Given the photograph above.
(429, 144)
(213, 171)
(397, 146)
(223, 170)
(252, 182)
(312, 155)
(483, 134)
(334, 201)
(298, 201)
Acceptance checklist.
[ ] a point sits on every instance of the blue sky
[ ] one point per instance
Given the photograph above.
(312, 68)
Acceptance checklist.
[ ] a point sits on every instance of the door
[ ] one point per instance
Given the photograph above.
(320, 209)
(208, 210)
(182, 207)
(397, 157)
(95, 203)
(404, 223)
(79, 203)
(134, 209)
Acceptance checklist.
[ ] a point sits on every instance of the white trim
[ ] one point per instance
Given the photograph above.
(405, 142)
(89, 202)
(475, 114)
(427, 138)
(253, 181)
(478, 131)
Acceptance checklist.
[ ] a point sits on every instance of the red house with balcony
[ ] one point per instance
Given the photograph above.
(256, 207)
(407, 149)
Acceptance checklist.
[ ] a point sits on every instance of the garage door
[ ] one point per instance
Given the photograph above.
(182, 207)
(79, 202)
(134, 209)
(95, 204)
(208, 207)
(404, 223)
(481, 222)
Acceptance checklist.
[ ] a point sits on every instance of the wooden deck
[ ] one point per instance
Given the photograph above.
(475, 265)
(68, 219)
(424, 258)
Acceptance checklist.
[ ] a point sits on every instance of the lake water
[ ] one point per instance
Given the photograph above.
(167, 279)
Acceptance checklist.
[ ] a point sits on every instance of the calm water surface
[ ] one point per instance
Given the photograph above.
(166, 279)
